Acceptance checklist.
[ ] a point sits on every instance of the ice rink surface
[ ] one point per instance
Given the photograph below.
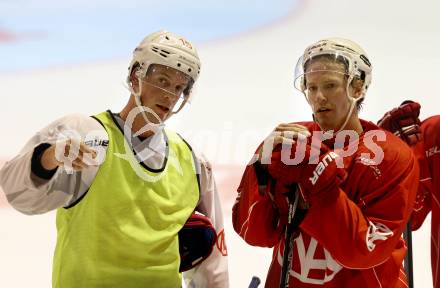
(245, 89)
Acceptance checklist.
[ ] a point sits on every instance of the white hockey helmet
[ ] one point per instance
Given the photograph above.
(356, 61)
(168, 49)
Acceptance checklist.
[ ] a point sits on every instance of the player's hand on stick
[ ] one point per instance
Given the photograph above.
(314, 167)
(283, 134)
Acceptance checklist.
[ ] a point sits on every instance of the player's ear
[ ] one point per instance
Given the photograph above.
(357, 87)
(134, 80)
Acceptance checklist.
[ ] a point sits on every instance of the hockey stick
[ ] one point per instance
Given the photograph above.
(407, 235)
(293, 197)
(254, 282)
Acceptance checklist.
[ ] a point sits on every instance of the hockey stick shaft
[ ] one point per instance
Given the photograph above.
(287, 255)
(407, 235)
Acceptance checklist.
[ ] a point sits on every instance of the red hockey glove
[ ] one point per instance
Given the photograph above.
(196, 241)
(320, 180)
(284, 161)
(316, 173)
(404, 122)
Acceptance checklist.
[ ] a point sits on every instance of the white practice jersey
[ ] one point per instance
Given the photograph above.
(32, 195)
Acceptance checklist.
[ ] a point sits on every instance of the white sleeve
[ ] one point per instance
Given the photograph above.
(30, 194)
(213, 272)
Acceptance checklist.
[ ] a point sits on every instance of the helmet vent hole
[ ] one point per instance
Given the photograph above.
(178, 64)
(165, 51)
(189, 69)
(163, 55)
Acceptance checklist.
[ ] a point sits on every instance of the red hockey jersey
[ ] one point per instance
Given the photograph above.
(352, 239)
(428, 195)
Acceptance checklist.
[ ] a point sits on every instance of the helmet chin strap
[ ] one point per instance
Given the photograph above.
(138, 100)
(353, 102)
(180, 108)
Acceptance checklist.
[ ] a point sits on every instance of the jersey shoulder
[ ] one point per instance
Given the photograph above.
(388, 149)
(431, 131)
(76, 123)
